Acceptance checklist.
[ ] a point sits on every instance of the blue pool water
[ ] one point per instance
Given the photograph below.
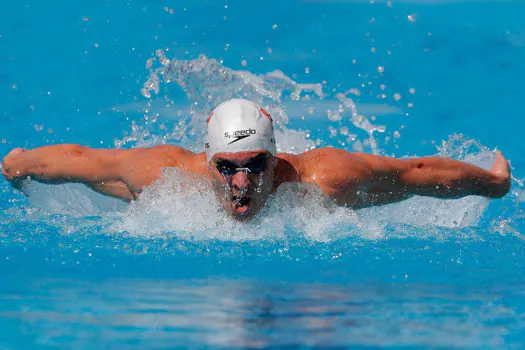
(402, 78)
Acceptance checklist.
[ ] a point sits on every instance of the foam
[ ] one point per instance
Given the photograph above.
(207, 83)
(191, 212)
(71, 199)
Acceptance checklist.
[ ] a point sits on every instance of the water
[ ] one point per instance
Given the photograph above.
(406, 78)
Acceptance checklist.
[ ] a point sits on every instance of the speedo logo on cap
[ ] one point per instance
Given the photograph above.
(239, 134)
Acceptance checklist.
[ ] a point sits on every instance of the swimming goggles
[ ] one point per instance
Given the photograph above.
(254, 166)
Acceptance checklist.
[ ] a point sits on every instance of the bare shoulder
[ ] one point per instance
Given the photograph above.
(141, 166)
(330, 163)
(338, 173)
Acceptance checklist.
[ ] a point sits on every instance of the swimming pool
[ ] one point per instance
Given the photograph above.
(399, 78)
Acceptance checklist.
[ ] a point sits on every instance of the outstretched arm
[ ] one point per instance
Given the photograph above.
(68, 163)
(390, 180)
(114, 172)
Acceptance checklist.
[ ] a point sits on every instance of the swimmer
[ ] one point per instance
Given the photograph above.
(244, 168)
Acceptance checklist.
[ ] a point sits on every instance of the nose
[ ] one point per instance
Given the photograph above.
(240, 181)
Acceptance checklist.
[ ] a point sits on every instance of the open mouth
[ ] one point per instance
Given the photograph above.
(240, 204)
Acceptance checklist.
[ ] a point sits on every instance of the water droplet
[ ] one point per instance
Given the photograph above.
(357, 146)
(354, 91)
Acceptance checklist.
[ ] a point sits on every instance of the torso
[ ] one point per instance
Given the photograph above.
(337, 173)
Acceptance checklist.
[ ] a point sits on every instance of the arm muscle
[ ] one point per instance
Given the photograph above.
(393, 179)
(115, 172)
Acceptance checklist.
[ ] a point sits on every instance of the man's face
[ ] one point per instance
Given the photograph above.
(242, 181)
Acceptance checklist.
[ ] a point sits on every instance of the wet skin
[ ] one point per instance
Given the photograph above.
(349, 179)
(242, 181)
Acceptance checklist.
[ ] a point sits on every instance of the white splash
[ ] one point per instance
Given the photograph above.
(207, 83)
(185, 207)
(71, 199)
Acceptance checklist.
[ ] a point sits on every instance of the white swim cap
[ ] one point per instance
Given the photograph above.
(239, 125)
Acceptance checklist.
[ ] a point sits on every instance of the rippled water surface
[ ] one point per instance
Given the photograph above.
(400, 78)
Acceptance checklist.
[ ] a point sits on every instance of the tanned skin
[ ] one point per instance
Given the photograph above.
(355, 180)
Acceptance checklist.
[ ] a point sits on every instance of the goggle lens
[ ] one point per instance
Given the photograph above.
(256, 166)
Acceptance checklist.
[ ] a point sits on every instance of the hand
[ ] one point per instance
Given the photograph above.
(501, 172)
(7, 165)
